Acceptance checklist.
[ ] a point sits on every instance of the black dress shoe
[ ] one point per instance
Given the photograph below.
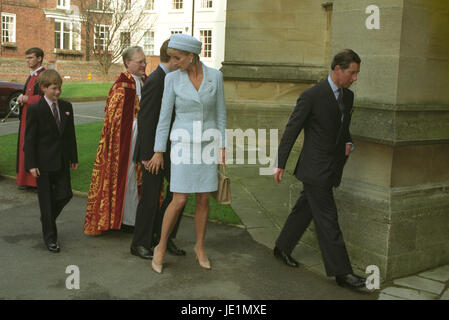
(351, 281)
(53, 247)
(142, 252)
(288, 260)
(173, 249)
(127, 229)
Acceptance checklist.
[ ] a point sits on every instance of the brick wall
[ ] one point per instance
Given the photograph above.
(16, 70)
(32, 29)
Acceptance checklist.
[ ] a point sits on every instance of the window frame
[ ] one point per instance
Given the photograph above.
(172, 7)
(127, 5)
(121, 40)
(152, 37)
(103, 46)
(153, 7)
(65, 4)
(201, 8)
(74, 45)
(203, 51)
(9, 15)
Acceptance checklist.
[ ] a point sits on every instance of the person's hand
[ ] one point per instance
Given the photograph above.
(145, 164)
(35, 172)
(278, 174)
(22, 99)
(74, 166)
(156, 163)
(348, 149)
(223, 156)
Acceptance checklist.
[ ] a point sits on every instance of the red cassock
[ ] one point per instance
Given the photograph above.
(24, 178)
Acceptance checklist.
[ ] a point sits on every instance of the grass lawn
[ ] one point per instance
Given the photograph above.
(87, 136)
(85, 89)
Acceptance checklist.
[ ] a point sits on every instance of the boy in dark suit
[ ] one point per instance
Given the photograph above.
(50, 150)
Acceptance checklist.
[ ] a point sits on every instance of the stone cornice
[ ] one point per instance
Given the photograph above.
(273, 72)
(400, 125)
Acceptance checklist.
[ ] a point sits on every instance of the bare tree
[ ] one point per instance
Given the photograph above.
(111, 26)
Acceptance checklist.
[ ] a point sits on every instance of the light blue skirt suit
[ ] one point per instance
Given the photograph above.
(198, 131)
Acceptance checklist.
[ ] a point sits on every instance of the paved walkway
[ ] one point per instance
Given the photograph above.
(242, 268)
(263, 207)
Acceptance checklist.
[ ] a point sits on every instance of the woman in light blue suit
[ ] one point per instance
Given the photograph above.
(195, 93)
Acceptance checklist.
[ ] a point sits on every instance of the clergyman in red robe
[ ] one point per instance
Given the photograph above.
(116, 179)
(33, 93)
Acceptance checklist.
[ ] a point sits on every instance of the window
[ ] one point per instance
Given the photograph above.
(102, 4)
(101, 36)
(176, 4)
(176, 31)
(149, 5)
(8, 27)
(67, 35)
(127, 4)
(206, 4)
(148, 43)
(63, 4)
(206, 39)
(125, 39)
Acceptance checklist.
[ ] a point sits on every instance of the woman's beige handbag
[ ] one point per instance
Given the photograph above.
(223, 194)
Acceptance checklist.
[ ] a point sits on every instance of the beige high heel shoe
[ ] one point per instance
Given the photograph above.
(203, 263)
(156, 267)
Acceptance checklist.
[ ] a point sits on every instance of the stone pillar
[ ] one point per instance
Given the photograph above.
(394, 198)
(274, 51)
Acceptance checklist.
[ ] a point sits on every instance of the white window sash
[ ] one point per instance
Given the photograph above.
(12, 31)
(71, 36)
(103, 35)
(152, 5)
(204, 4)
(63, 4)
(210, 39)
(176, 3)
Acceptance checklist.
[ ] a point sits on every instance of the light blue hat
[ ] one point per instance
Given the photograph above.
(185, 42)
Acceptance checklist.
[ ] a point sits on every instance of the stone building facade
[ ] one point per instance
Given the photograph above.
(394, 198)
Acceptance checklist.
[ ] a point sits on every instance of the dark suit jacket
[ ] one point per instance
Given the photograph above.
(150, 108)
(325, 136)
(45, 147)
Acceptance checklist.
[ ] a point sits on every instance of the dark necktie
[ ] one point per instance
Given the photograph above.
(54, 109)
(341, 105)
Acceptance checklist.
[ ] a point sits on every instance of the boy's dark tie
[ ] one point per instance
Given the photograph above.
(54, 109)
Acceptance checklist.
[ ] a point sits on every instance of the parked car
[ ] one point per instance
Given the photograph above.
(9, 92)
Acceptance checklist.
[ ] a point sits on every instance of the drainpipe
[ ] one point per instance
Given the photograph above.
(193, 15)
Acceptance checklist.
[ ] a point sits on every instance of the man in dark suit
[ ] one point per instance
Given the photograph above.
(149, 213)
(50, 150)
(324, 111)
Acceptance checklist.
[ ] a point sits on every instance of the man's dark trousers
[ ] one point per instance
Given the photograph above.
(317, 203)
(149, 216)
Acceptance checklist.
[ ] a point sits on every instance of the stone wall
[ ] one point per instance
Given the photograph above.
(393, 202)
